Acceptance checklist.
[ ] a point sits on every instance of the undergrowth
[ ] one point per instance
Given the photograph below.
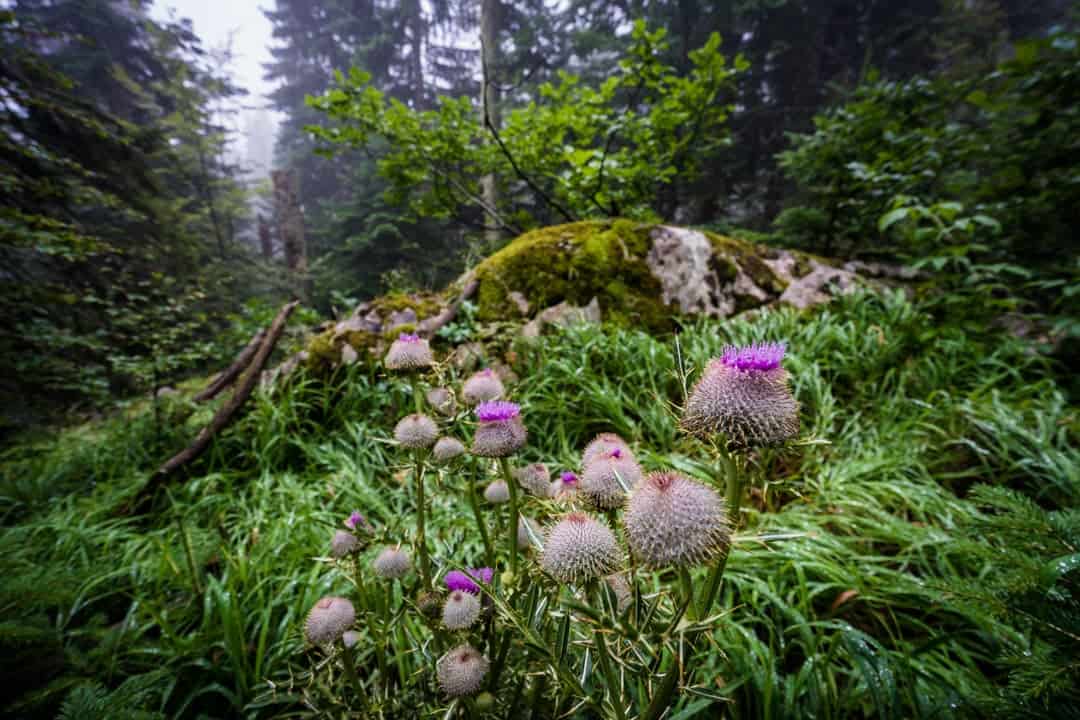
(867, 580)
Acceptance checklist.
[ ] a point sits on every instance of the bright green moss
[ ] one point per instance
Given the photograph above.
(424, 304)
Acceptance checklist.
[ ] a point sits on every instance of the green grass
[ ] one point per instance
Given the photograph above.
(841, 583)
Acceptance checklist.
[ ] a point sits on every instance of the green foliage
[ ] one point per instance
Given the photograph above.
(851, 553)
(582, 151)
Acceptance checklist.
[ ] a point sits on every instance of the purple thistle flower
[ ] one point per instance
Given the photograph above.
(408, 338)
(497, 411)
(759, 356)
(355, 518)
(568, 478)
(457, 580)
(615, 453)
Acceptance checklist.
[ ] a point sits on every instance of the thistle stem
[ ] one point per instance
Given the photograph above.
(349, 664)
(421, 516)
(481, 524)
(733, 469)
(511, 483)
(602, 656)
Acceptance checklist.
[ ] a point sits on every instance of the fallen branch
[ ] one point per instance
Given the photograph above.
(228, 376)
(225, 413)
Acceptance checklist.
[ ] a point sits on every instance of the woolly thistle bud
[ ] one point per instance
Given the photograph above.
(343, 543)
(392, 563)
(446, 449)
(485, 702)
(416, 432)
(461, 610)
(606, 479)
(525, 525)
(497, 493)
(349, 638)
(621, 587)
(565, 486)
(602, 444)
(329, 620)
(744, 395)
(536, 478)
(672, 520)
(442, 400)
(482, 387)
(461, 671)
(500, 431)
(409, 352)
(580, 548)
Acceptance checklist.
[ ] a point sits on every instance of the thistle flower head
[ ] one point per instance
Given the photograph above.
(606, 479)
(461, 671)
(416, 432)
(482, 386)
(392, 563)
(580, 548)
(497, 492)
(442, 400)
(329, 620)
(673, 520)
(525, 525)
(409, 352)
(500, 431)
(357, 521)
(602, 444)
(461, 610)
(566, 485)
(744, 395)
(458, 580)
(535, 477)
(343, 543)
(446, 449)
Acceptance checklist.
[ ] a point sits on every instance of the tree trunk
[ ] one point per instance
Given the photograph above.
(489, 105)
(266, 241)
(290, 220)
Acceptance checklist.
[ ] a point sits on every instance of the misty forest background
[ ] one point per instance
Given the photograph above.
(140, 250)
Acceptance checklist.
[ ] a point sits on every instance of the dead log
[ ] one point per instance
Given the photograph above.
(228, 376)
(225, 413)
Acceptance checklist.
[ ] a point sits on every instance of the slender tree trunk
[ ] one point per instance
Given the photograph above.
(290, 219)
(266, 241)
(489, 105)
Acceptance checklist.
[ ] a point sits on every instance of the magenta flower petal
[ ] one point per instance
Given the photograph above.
(497, 411)
(458, 580)
(759, 356)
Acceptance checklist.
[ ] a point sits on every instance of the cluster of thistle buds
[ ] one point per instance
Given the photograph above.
(606, 520)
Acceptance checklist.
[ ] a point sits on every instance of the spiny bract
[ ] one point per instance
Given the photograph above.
(441, 400)
(446, 449)
(343, 543)
(461, 610)
(672, 520)
(329, 620)
(461, 671)
(745, 396)
(416, 432)
(580, 548)
(497, 493)
(605, 480)
(409, 352)
(482, 387)
(392, 563)
(601, 444)
(535, 477)
(500, 431)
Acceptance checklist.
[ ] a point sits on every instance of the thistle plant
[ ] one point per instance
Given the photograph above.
(620, 591)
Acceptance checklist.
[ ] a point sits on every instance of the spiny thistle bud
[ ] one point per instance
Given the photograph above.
(461, 671)
(458, 580)
(497, 493)
(329, 620)
(744, 395)
(603, 444)
(416, 432)
(428, 604)
(500, 431)
(483, 386)
(446, 449)
(580, 548)
(536, 478)
(343, 543)
(349, 638)
(524, 539)
(605, 480)
(672, 520)
(442, 400)
(565, 486)
(461, 610)
(392, 563)
(409, 352)
(621, 587)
